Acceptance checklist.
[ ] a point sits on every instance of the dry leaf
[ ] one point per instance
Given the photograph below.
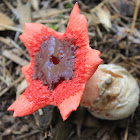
(24, 12)
(5, 20)
(104, 17)
(21, 87)
(35, 4)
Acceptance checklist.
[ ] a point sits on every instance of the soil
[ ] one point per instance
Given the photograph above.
(114, 29)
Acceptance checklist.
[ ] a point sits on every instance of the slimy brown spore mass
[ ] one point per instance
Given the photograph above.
(55, 61)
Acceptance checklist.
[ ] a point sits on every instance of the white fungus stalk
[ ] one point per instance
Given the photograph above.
(111, 93)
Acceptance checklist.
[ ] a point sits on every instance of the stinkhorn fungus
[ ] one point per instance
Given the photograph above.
(111, 93)
(60, 66)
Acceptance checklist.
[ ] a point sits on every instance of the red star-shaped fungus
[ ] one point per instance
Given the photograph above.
(60, 66)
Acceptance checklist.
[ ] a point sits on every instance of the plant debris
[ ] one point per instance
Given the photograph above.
(118, 39)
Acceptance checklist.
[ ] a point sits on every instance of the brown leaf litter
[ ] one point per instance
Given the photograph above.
(114, 29)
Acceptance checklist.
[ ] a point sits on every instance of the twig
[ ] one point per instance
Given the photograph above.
(19, 48)
(14, 58)
(135, 16)
(11, 8)
(136, 57)
(132, 70)
(27, 135)
(115, 59)
(3, 66)
(126, 133)
(6, 73)
(104, 42)
(12, 28)
(40, 111)
(5, 41)
(99, 32)
(98, 6)
(13, 84)
(8, 62)
(114, 7)
(92, 34)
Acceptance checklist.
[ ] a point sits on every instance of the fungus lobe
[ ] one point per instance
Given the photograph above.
(60, 66)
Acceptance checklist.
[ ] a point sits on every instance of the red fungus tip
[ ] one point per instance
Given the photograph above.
(73, 56)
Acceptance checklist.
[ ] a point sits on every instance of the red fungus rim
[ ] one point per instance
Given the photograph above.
(66, 95)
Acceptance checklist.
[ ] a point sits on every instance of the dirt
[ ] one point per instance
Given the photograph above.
(118, 39)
